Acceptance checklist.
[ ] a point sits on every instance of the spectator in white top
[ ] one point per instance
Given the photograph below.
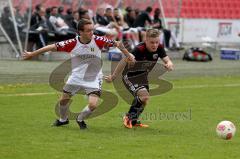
(58, 23)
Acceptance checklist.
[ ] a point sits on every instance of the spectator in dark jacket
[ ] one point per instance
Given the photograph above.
(130, 17)
(100, 18)
(143, 17)
(39, 28)
(75, 20)
(168, 35)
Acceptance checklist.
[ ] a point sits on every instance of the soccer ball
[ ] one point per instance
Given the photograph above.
(226, 130)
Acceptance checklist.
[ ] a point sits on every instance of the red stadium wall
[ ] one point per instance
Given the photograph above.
(89, 4)
(214, 9)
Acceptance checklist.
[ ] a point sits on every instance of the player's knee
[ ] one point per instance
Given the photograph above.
(92, 105)
(64, 101)
(144, 99)
(65, 98)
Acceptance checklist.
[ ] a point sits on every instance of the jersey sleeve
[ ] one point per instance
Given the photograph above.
(161, 52)
(102, 42)
(135, 51)
(66, 46)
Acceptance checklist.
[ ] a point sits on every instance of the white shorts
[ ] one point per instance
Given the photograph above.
(89, 87)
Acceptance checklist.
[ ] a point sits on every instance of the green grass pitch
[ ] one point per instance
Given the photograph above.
(204, 98)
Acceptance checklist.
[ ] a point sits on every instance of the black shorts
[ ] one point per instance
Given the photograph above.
(133, 84)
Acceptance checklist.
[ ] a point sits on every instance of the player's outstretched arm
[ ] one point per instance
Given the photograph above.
(121, 65)
(168, 63)
(130, 57)
(27, 55)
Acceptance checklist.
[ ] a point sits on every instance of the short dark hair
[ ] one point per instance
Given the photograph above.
(6, 9)
(70, 11)
(129, 9)
(149, 9)
(157, 11)
(38, 7)
(60, 9)
(108, 9)
(81, 14)
(54, 7)
(82, 22)
(48, 10)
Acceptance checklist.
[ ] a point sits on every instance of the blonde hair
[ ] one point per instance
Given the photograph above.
(152, 33)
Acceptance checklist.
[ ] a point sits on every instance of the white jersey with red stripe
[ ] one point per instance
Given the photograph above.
(86, 59)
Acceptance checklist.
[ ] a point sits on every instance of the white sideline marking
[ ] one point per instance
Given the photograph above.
(175, 87)
(207, 86)
(26, 94)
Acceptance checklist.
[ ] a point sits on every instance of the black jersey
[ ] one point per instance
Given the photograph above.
(145, 60)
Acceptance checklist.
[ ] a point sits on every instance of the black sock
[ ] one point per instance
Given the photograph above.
(135, 110)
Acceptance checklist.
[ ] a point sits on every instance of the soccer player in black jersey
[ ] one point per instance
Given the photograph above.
(135, 76)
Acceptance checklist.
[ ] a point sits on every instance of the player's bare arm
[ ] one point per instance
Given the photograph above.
(27, 55)
(168, 63)
(118, 70)
(121, 47)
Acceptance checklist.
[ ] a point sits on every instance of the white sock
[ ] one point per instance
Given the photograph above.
(62, 120)
(63, 111)
(86, 112)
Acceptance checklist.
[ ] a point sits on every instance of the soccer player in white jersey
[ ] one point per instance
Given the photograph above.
(84, 45)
